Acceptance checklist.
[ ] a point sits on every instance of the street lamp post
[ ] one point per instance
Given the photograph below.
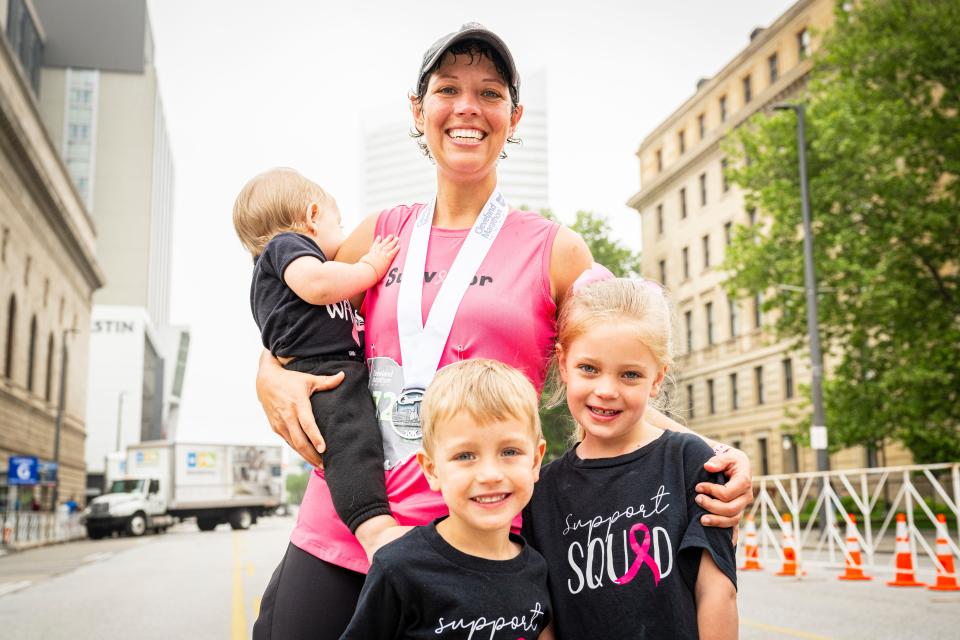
(120, 417)
(818, 430)
(60, 410)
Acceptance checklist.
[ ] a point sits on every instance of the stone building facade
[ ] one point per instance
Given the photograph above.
(736, 382)
(48, 273)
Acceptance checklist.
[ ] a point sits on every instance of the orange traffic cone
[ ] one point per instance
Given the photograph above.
(752, 557)
(905, 574)
(790, 567)
(854, 569)
(946, 579)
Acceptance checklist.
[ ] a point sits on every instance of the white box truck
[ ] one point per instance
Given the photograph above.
(164, 482)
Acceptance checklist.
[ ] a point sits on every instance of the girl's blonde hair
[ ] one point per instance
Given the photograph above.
(273, 202)
(640, 302)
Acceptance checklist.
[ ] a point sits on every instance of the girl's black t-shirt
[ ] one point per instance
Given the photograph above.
(623, 540)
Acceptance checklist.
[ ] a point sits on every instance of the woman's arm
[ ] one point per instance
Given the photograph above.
(285, 397)
(725, 502)
(717, 617)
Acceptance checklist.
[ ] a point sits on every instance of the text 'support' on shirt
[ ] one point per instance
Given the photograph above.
(623, 540)
(420, 587)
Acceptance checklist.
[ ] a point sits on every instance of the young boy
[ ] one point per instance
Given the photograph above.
(466, 575)
(300, 300)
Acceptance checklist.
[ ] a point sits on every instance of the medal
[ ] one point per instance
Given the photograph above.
(422, 343)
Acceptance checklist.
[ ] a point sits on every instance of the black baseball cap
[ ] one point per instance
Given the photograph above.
(471, 31)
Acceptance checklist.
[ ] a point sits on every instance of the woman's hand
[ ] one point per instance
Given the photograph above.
(285, 396)
(726, 502)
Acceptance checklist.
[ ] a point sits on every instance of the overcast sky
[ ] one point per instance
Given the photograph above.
(247, 85)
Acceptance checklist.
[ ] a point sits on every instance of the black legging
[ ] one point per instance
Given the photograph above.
(307, 599)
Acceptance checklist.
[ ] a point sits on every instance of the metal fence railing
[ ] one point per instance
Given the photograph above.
(820, 504)
(27, 528)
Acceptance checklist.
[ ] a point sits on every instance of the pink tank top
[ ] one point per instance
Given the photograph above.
(507, 314)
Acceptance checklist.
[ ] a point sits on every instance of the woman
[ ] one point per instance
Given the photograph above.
(493, 279)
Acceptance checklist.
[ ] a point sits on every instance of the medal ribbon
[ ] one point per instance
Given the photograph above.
(421, 344)
(643, 558)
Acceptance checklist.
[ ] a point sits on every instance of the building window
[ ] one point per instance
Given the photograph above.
(791, 457)
(686, 262)
(758, 384)
(734, 317)
(659, 160)
(709, 309)
(659, 219)
(747, 90)
(752, 216)
(735, 444)
(690, 404)
(764, 458)
(788, 378)
(702, 125)
(688, 326)
(723, 175)
(711, 398)
(31, 352)
(774, 63)
(706, 251)
(703, 189)
(758, 311)
(683, 202)
(803, 44)
(25, 41)
(734, 393)
(663, 272)
(723, 108)
(11, 336)
(48, 382)
(79, 149)
(727, 233)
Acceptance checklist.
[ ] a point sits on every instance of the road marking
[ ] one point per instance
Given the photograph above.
(238, 622)
(12, 587)
(793, 633)
(97, 557)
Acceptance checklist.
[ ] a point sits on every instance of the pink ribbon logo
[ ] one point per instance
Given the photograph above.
(643, 558)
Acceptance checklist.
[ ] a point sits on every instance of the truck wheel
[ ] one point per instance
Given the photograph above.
(137, 525)
(95, 533)
(207, 524)
(240, 519)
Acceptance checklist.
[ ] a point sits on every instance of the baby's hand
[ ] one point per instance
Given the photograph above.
(381, 254)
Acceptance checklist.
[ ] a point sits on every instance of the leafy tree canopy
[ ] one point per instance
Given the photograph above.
(883, 140)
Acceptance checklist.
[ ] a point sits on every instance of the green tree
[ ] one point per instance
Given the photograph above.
(595, 231)
(883, 137)
(297, 486)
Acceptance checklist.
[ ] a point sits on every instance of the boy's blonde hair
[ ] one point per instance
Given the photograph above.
(273, 202)
(640, 302)
(488, 390)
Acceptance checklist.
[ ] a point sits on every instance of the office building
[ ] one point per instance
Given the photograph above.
(736, 382)
(48, 274)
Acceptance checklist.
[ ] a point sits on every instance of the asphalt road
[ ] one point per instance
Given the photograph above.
(188, 584)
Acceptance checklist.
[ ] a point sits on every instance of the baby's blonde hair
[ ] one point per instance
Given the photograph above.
(640, 302)
(487, 390)
(273, 202)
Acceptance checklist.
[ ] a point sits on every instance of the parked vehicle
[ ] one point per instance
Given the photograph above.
(165, 482)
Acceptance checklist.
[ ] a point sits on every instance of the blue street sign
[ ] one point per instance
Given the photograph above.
(22, 470)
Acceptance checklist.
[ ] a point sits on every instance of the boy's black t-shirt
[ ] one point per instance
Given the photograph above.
(421, 587)
(290, 326)
(629, 518)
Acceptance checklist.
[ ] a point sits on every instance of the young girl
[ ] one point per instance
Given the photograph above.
(615, 517)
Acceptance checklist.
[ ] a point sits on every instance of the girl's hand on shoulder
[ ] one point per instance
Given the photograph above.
(726, 502)
(285, 397)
